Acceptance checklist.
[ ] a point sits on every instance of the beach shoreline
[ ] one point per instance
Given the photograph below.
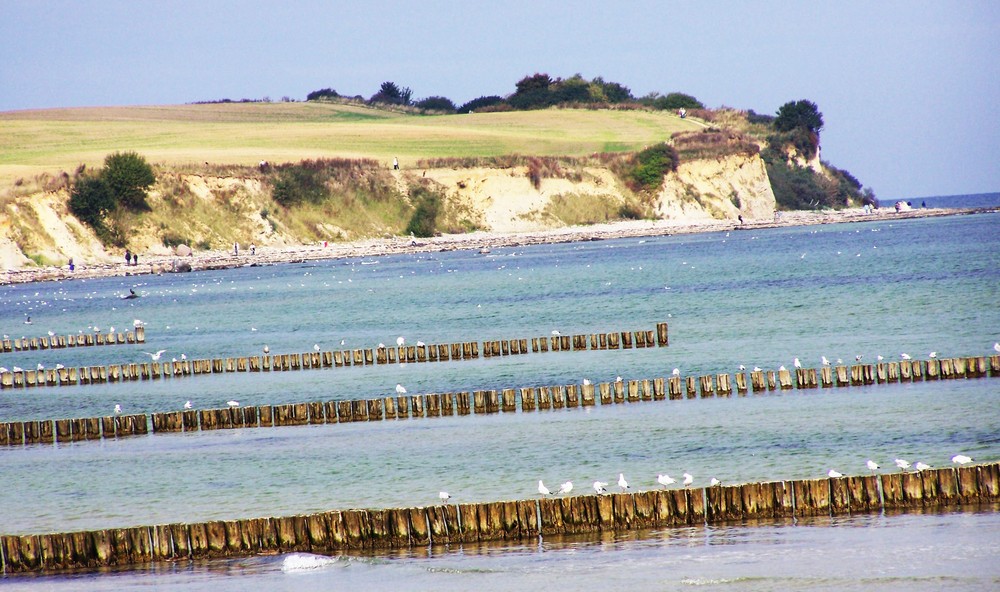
(480, 241)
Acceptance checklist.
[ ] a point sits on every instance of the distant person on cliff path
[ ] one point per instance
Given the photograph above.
(395, 163)
(236, 249)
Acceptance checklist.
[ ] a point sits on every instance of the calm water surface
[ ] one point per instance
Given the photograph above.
(751, 297)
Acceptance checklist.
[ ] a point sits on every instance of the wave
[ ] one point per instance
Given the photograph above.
(307, 562)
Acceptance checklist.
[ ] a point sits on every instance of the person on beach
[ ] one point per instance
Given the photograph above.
(236, 249)
(135, 259)
(253, 249)
(71, 266)
(128, 256)
(395, 163)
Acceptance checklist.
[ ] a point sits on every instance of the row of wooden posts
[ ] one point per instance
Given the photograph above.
(488, 401)
(350, 530)
(64, 341)
(335, 359)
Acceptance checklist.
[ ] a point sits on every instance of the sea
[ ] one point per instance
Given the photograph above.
(753, 297)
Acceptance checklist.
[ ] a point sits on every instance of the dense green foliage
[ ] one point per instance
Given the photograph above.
(323, 93)
(671, 102)
(651, 165)
(442, 104)
(799, 115)
(299, 183)
(91, 201)
(424, 221)
(480, 103)
(128, 176)
(391, 94)
(800, 188)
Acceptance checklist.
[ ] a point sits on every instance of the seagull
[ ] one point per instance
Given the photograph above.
(781, 369)
(756, 369)
(796, 363)
(618, 379)
(118, 409)
(599, 487)
(932, 355)
(839, 361)
(59, 366)
(622, 483)
(826, 362)
(566, 487)
(3, 370)
(586, 382)
(187, 404)
(155, 357)
(267, 350)
(833, 474)
(961, 459)
(742, 368)
(184, 356)
(688, 479)
(420, 343)
(542, 489)
(554, 332)
(858, 357)
(879, 357)
(715, 482)
(443, 496)
(138, 323)
(872, 466)
(996, 347)
(233, 403)
(665, 480)
(400, 389)
(400, 341)
(40, 367)
(27, 321)
(52, 333)
(904, 356)
(18, 369)
(676, 372)
(921, 466)
(316, 347)
(902, 464)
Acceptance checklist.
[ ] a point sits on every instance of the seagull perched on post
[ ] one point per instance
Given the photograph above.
(676, 372)
(715, 482)
(443, 496)
(826, 362)
(566, 487)
(872, 466)
(904, 356)
(796, 363)
(187, 404)
(400, 389)
(833, 474)
(902, 464)
(688, 479)
(542, 489)
(996, 347)
(118, 409)
(233, 403)
(961, 459)
(622, 483)
(920, 466)
(665, 480)
(599, 487)
(400, 341)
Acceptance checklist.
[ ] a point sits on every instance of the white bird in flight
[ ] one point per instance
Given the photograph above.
(233, 403)
(600, 487)
(400, 389)
(833, 474)
(542, 489)
(155, 357)
(902, 464)
(688, 479)
(872, 466)
(566, 487)
(665, 480)
(961, 459)
(622, 483)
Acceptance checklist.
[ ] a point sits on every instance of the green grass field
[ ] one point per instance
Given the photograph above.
(54, 140)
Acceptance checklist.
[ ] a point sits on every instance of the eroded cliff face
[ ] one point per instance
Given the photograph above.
(38, 230)
(723, 188)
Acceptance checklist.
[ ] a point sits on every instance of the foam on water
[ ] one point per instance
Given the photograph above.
(297, 562)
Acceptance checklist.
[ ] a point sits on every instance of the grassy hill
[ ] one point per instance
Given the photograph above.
(54, 140)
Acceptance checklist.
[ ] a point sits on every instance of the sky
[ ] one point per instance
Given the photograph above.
(909, 90)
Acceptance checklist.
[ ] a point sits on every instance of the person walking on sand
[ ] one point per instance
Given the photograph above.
(253, 249)
(128, 256)
(395, 163)
(236, 249)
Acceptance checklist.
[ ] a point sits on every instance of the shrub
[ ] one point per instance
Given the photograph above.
(128, 176)
(651, 165)
(798, 188)
(91, 201)
(436, 104)
(480, 103)
(298, 183)
(799, 114)
(323, 93)
(392, 94)
(423, 223)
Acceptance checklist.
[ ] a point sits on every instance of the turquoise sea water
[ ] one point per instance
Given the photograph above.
(743, 297)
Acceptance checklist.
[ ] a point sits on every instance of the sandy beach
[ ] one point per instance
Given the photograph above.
(480, 241)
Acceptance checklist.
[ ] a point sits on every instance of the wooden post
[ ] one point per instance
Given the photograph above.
(707, 386)
(674, 389)
(587, 395)
(692, 390)
(605, 389)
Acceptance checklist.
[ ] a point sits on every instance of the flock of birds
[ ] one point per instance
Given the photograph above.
(687, 479)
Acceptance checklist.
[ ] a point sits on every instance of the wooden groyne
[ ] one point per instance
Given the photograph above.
(350, 530)
(508, 400)
(469, 350)
(63, 341)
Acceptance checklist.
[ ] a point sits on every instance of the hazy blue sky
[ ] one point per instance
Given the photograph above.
(909, 90)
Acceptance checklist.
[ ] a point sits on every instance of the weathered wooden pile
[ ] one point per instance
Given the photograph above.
(345, 530)
(63, 341)
(444, 352)
(507, 400)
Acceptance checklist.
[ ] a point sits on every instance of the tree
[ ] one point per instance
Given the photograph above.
(128, 176)
(799, 114)
(323, 93)
(479, 103)
(392, 94)
(91, 201)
